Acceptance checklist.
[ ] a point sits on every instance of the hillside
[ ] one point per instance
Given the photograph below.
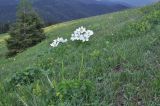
(55, 11)
(119, 66)
(135, 3)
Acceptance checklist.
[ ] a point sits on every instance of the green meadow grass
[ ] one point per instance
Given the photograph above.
(124, 70)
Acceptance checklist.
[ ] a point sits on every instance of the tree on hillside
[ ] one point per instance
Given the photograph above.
(26, 31)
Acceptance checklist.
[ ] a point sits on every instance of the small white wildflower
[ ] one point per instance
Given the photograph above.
(81, 34)
(56, 42)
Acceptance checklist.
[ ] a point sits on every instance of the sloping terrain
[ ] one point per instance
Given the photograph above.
(120, 65)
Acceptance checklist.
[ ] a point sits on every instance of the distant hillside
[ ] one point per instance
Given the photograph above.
(135, 3)
(54, 11)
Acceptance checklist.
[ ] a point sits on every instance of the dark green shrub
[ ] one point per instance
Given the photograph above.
(25, 77)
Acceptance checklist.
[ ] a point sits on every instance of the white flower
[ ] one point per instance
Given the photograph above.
(81, 34)
(56, 42)
(90, 32)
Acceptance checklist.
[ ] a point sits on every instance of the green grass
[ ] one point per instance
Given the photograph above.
(123, 69)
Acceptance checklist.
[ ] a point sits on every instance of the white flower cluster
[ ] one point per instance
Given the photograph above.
(81, 34)
(56, 42)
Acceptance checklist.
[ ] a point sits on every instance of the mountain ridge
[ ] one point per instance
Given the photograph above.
(56, 11)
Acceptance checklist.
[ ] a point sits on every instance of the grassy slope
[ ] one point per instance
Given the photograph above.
(128, 67)
(103, 26)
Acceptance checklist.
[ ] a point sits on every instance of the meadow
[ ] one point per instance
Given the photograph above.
(118, 66)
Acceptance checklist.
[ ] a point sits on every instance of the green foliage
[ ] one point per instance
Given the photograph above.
(150, 9)
(25, 77)
(26, 32)
(74, 92)
(60, 92)
(141, 27)
(74, 89)
(154, 17)
(46, 64)
(145, 24)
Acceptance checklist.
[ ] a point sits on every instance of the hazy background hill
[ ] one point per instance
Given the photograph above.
(54, 11)
(134, 3)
